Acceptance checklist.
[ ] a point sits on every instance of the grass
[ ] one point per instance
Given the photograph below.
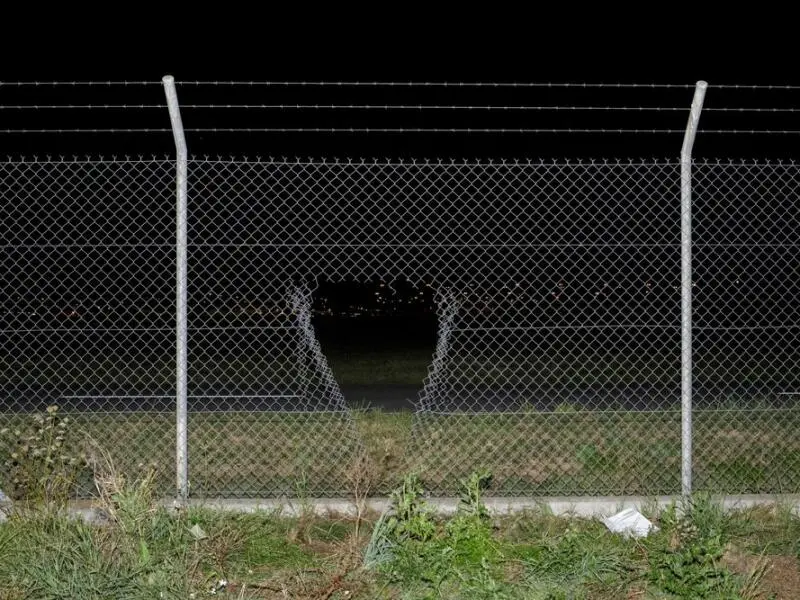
(389, 367)
(140, 549)
(144, 551)
(562, 452)
(742, 445)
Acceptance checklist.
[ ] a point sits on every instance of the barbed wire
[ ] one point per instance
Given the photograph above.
(80, 106)
(477, 107)
(91, 130)
(459, 84)
(422, 130)
(344, 107)
(397, 161)
(75, 83)
(437, 130)
(391, 130)
(751, 110)
(734, 86)
(434, 130)
(389, 107)
(433, 107)
(750, 131)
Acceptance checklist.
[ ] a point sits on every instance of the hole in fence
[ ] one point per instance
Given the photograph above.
(378, 334)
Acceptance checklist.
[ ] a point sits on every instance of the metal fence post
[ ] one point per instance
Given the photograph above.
(686, 287)
(181, 382)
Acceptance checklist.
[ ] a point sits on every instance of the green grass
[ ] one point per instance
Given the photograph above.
(565, 452)
(744, 445)
(380, 368)
(143, 552)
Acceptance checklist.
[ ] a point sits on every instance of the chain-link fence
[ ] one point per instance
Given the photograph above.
(559, 314)
(557, 286)
(745, 327)
(88, 303)
(604, 327)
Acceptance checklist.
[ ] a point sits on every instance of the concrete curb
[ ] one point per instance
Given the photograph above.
(579, 506)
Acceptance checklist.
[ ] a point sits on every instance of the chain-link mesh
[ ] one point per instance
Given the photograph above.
(558, 351)
(557, 288)
(269, 418)
(87, 254)
(560, 370)
(746, 379)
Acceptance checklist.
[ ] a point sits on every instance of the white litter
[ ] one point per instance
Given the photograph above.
(197, 532)
(4, 500)
(630, 523)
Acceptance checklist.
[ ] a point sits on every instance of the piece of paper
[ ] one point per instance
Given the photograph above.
(630, 522)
